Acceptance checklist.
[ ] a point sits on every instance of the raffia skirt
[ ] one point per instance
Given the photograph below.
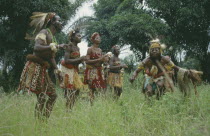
(70, 79)
(114, 80)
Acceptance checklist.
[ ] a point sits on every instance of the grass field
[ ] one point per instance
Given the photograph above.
(131, 115)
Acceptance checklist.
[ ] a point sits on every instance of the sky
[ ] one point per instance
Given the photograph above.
(87, 10)
(84, 10)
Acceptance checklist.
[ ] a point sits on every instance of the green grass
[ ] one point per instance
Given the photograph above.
(131, 115)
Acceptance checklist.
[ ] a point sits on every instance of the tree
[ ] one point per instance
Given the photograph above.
(183, 25)
(124, 22)
(188, 21)
(14, 20)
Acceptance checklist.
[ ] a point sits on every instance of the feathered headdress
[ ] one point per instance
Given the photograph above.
(40, 20)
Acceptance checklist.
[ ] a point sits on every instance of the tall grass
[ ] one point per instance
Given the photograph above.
(131, 115)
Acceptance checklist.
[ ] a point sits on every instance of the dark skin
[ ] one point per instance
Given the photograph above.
(153, 59)
(115, 58)
(43, 50)
(95, 62)
(116, 69)
(95, 49)
(72, 47)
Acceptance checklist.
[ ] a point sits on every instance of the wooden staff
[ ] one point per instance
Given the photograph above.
(166, 75)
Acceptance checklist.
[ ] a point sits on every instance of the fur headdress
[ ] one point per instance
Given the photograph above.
(39, 21)
(156, 44)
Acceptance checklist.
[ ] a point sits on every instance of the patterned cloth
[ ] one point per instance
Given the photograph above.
(35, 78)
(94, 76)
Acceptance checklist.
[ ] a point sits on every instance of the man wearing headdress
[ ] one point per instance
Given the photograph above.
(71, 82)
(157, 68)
(114, 75)
(35, 77)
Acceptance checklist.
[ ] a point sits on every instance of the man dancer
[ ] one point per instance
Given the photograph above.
(156, 68)
(35, 77)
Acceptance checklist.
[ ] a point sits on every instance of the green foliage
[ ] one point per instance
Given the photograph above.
(191, 63)
(180, 24)
(123, 22)
(188, 22)
(104, 9)
(14, 23)
(131, 62)
(136, 30)
(131, 115)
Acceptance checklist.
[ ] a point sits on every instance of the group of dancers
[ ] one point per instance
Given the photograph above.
(35, 78)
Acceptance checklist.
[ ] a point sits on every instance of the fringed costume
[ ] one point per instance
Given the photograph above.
(186, 78)
(152, 76)
(115, 78)
(71, 79)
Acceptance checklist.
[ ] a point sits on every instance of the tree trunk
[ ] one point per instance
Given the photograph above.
(205, 66)
(4, 76)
